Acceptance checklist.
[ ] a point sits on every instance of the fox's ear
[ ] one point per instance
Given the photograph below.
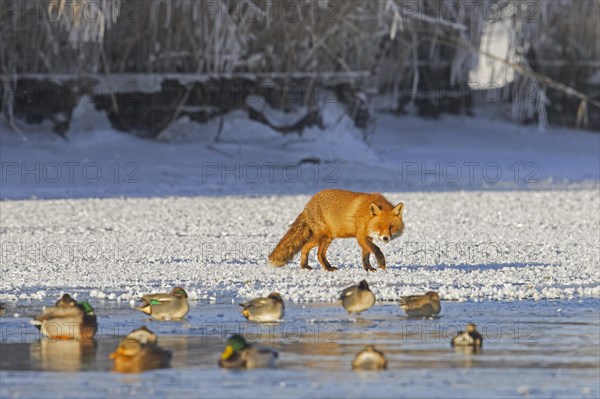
(398, 209)
(375, 209)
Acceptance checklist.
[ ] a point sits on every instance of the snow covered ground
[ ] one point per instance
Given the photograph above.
(466, 245)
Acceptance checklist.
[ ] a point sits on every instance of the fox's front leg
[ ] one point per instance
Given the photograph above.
(366, 262)
(366, 247)
(379, 256)
(369, 248)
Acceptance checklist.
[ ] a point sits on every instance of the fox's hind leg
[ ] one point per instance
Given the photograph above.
(305, 251)
(323, 245)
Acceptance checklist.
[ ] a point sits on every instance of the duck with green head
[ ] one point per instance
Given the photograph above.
(67, 320)
(357, 298)
(264, 310)
(239, 354)
(139, 352)
(171, 306)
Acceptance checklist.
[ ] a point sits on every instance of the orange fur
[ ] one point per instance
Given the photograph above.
(333, 214)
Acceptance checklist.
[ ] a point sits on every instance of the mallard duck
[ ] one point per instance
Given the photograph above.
(164, 306)
(67, 320)
(357, 298)
(471, 338)
(140, 352)
(239, 354)
(264, 310)
(426, 305)
(369, 359)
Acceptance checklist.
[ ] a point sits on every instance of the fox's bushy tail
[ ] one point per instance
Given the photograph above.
(297, 235)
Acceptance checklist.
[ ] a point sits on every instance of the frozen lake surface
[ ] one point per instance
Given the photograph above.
(532, 349)
(500, 219)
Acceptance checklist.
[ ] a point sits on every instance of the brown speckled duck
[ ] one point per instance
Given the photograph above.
(470, 338)
(139, 352)
(369, 359)
(264, 310)
(426, 305)
(357, 298)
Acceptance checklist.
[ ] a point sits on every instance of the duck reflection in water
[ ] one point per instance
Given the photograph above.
(63, 355)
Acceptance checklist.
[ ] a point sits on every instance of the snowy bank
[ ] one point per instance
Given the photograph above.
(238, 156)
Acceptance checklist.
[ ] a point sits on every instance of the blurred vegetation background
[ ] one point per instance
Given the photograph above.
(148, 63)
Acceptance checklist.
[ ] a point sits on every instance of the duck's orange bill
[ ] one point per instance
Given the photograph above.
(116, 354)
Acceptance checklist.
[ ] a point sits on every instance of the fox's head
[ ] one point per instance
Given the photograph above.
(385, 225)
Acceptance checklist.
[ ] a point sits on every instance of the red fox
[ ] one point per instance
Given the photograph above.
(333, 214)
